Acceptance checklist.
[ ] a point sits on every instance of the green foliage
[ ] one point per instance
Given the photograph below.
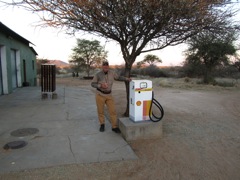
(192, 67)
(207, 51)
(152, 71)
(236, 64)
(221, 82)
(225, 84)
(87, 55)
(150, 59)
(187, 79)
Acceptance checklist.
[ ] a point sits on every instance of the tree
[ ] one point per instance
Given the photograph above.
(236, 64)
(87, 54)
(139, 26)
(209, 50)
(39, 63)
(151, 59)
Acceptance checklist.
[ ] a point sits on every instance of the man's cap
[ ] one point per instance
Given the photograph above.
(105, 63)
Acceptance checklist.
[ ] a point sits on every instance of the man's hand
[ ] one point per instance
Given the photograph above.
(128, 79)
(104, 85)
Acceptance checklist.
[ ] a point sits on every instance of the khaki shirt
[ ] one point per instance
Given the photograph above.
(108, 78)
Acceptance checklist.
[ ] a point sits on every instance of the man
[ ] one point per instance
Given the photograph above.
(103, 82)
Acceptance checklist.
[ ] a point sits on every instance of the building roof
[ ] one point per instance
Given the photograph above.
(10, 33)
(33, 50)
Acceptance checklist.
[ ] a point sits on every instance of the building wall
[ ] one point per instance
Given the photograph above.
(23, 53)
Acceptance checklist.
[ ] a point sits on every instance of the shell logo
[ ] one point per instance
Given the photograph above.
(138, 103)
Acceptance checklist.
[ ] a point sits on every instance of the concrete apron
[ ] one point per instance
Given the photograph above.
(67, 130)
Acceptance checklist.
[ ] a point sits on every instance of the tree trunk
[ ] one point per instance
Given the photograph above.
(205, 77)
(208, 77)
(127, 74)
(88, 70)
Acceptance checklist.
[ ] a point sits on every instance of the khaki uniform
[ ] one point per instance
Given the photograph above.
(104, 96)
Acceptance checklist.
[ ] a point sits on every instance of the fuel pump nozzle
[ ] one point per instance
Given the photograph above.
(158, 105)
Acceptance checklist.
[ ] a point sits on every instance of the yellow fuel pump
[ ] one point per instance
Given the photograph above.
(141, 100)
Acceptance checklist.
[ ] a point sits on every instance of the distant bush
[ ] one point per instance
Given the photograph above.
(186, 79)
(227, 71)
(222, 82)
(222, 71)
(173, 71)
(225, 84)
(152, 71)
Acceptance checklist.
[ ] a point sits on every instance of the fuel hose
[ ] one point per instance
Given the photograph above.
(152, 116)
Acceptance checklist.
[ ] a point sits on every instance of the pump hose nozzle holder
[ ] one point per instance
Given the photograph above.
(158, 105)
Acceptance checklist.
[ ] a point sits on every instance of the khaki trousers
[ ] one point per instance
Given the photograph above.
(101, 100)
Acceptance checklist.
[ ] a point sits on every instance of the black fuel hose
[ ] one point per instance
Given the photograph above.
(158, 105)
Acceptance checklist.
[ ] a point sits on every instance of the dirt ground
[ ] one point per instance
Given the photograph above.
(201, 139)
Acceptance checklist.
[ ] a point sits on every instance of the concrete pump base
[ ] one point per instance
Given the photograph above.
(140, 130)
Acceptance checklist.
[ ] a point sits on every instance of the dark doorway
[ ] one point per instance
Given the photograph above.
(1, 82)
(14, 69)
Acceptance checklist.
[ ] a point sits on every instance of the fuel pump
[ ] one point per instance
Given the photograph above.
(141, 101)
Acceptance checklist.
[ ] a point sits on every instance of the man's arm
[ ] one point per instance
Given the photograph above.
(94, 83)
(117, 77)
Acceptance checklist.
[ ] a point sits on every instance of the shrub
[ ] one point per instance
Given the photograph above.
(186, 79)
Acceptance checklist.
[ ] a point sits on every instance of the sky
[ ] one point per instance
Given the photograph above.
(54, 44)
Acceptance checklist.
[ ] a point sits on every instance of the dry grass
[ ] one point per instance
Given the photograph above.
(195, 84)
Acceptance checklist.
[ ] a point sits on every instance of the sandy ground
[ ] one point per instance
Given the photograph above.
(201, 139)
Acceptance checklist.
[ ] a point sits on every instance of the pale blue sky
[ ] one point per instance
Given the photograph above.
(53, 44)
